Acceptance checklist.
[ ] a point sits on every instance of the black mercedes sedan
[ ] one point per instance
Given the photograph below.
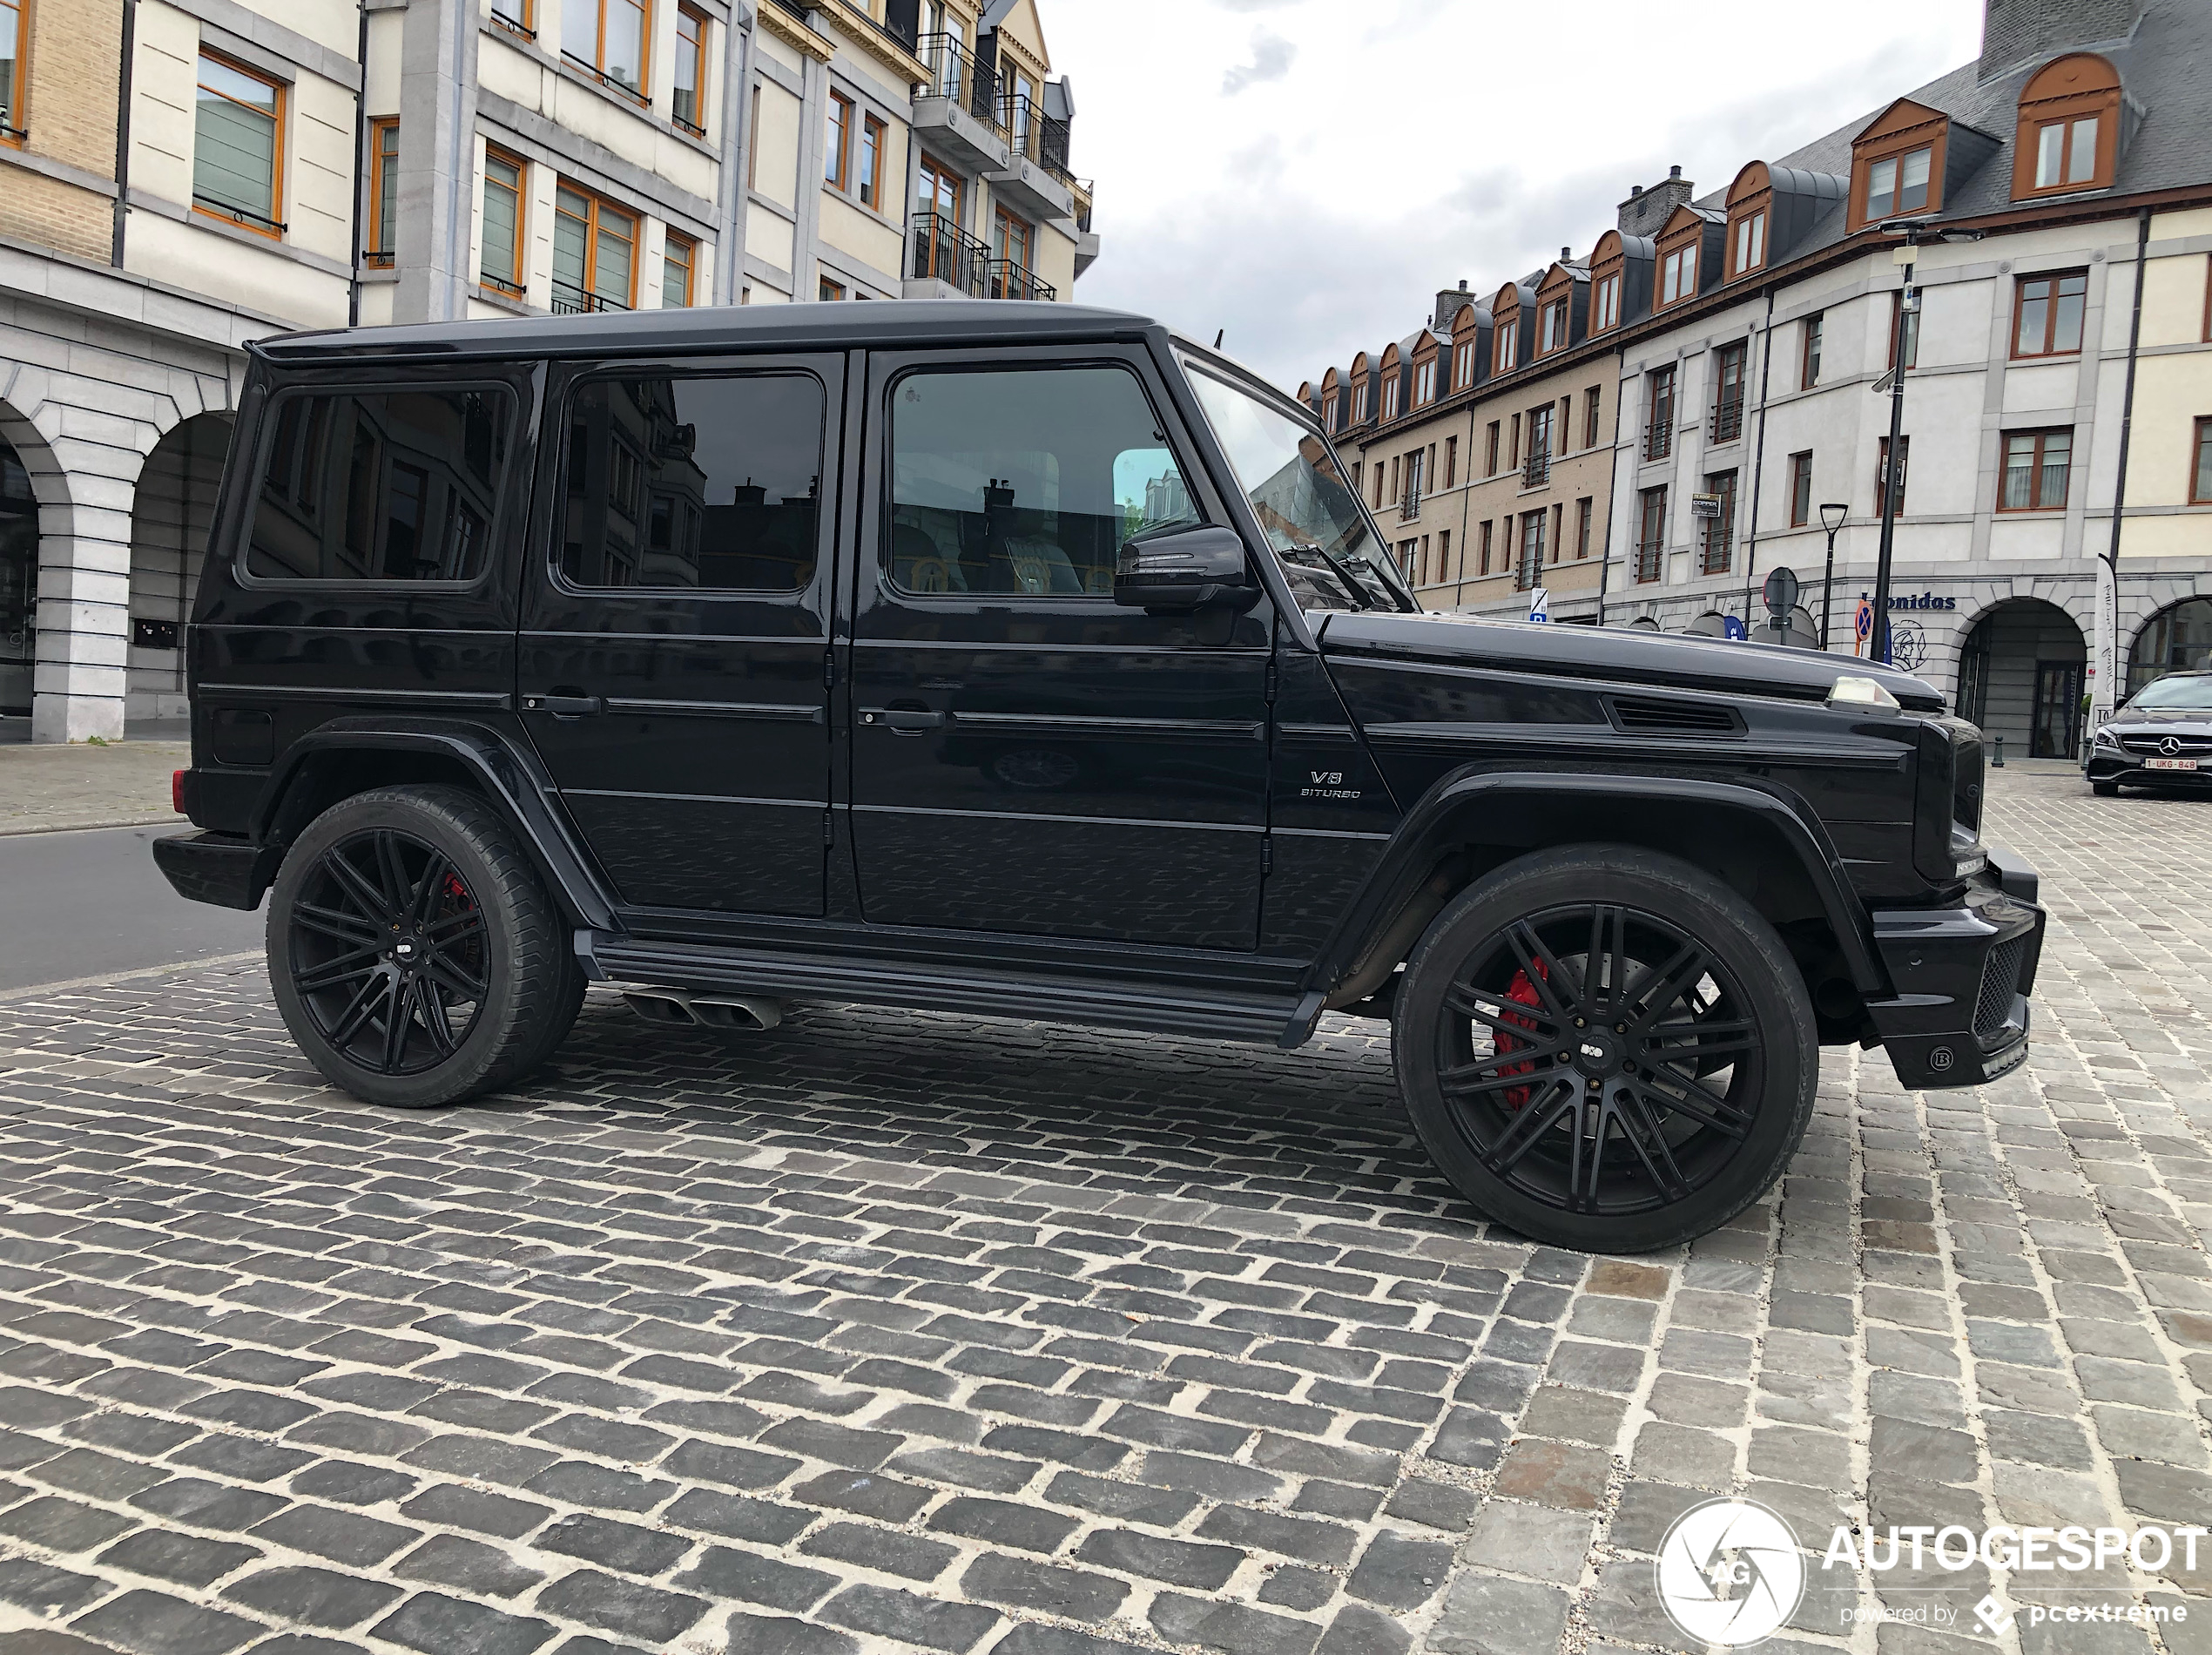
(2160, 738)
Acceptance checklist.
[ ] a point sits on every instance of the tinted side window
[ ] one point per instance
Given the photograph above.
(1026, 480)
(712, 485)
(381, 485)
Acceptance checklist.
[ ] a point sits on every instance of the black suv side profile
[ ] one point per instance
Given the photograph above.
(1030, 661)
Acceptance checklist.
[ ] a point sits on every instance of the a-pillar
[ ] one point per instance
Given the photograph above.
(434, 221)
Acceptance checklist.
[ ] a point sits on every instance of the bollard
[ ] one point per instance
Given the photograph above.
(1997, 763)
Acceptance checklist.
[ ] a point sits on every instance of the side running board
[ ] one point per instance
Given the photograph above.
(1254, 1020)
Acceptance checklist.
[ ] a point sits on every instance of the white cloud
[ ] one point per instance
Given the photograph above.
(1404, 146)
(1272, 56)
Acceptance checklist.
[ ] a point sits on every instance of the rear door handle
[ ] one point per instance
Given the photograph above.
(903, 720)
(565, 706)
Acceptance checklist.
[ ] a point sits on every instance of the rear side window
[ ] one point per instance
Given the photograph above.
(707, 484)
(381, 485)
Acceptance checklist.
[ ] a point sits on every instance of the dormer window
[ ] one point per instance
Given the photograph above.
(2069, 127)
(1678, 275)
(1749, 244)
(1425, 382)
(1508, 344)
(1463, 363)
(1605, 303)
(1897, 185)
(1390, 397)
(1618, 288)
(1552, 328)
(1328, 410)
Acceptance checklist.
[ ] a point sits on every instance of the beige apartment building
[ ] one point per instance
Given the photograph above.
(179, 177)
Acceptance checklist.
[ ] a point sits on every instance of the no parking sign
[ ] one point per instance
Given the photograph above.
(1863, 627)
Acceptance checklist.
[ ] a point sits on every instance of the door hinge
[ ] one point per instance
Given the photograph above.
(1267, 853)
(829, 827)
(829, 669)
(1271, 677)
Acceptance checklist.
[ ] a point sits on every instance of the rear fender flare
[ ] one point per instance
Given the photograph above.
(512, 781)
(1450, 815)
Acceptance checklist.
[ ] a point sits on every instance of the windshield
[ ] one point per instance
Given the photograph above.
(2191, 694)
(1310, 517)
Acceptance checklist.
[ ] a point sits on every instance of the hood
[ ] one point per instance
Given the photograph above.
(1621, 655)
(2196, 720)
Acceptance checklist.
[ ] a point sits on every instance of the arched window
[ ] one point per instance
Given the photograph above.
(2174, 640)
(2069, 127)
(1363, 394)
(1331, 398)
(1505, 328)
(1393, 380)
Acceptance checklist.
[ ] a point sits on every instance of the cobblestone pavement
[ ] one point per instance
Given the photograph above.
(891, 1331)
(77, 784)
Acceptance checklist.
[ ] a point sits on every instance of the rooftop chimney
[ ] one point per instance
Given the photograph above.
(2018, 32)
(1450, 302)
(1646, 209)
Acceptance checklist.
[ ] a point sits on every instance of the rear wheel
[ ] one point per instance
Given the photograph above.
(1606, 1049)
(416, 957)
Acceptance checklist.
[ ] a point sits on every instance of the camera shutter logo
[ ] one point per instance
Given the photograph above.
(1729, 1572)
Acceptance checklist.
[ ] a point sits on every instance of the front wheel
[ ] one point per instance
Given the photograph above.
(1606, 1049)
(415, 956)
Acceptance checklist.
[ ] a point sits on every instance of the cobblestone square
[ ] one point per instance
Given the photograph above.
(891, 1331)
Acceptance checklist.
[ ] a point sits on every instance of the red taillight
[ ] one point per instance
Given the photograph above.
(177, 791)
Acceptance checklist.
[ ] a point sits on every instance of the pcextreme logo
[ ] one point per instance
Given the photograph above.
(1729, 1572)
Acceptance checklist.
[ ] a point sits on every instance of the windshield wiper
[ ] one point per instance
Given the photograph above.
(1341, 569)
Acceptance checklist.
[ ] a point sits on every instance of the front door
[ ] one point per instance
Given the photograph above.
(2058, 711)
(675, 642)
(1027, 756)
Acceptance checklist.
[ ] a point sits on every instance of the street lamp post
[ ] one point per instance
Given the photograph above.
(1916, 233)
(1831, 518)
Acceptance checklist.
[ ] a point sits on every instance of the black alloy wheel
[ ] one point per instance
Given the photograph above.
(1613, 1053)
(415, 956)
(387, 951)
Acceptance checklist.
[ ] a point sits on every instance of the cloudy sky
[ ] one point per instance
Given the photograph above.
(1307, 173)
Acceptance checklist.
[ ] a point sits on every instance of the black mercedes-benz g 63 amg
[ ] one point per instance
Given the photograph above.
(1029, 661)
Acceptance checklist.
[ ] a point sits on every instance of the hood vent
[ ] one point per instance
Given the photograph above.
(1640, 717)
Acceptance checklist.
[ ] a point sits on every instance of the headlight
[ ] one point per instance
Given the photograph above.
(2106, 739)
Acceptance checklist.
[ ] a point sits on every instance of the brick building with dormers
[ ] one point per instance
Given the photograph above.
(2054, 539)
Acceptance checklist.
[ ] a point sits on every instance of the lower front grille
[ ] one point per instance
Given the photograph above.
(2001, 979)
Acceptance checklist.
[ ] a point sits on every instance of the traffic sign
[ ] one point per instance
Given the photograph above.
(1781, 591)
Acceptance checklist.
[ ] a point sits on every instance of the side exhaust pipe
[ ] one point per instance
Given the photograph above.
(746, 1013)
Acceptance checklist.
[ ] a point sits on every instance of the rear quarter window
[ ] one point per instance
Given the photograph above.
(363, 486)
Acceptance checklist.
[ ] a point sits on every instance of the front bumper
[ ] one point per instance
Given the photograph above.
(1963, 975)
(2104, 765)
(220, 868)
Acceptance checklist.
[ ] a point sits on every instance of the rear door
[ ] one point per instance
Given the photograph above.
(675, 639)
(1027, 755)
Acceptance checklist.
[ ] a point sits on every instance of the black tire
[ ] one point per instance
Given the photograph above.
(1665, 1110)
(2104, 789)
(480, 971)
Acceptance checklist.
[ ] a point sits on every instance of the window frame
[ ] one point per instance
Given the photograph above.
(2020, 284)
(2048, 100)
(1801, 488)
(273, 229)
(842, 112)
(700, 24)
(1585, 518)
(15, 130)
(380, 128)
(1752, 219)
(523, 21)
(503, 504)
(1592, 415)
(1902, 130)
(519, 288)
(2200, 481)
(868, 186)
(1650, 549)
(829, 290)
(2039, 435)
(642, 93)
(690, 264)
(1811, 336)
(599, 203)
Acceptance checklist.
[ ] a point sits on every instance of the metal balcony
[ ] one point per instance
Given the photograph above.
(1008, 279)
(1034, 180)
(1658, 439)
(1536, 471)
(958, 111)
(1725, 422)
(941, 251)
(575, 301)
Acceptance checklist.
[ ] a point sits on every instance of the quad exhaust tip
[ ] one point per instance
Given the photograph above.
(748, 1013)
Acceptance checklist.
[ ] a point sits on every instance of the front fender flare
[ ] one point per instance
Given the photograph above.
(1437, 824)
(512, 779)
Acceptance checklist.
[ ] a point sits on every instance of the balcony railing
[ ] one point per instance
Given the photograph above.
(1658, 439)
(954, 74)
(1651, 555)
(943, 252)
(377, 258)
(1719, 548)
(1528, 572)
(1409, 507)
(1725, 423)
(575, 302)
(500, 284)
(1085, 189)
(1536, 471)
(1036, 136)
(1008, 279)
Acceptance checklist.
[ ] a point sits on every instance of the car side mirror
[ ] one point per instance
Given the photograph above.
(1181, 569)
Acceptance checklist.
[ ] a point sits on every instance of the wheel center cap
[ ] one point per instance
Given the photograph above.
(404, 949)
(1595, 1054)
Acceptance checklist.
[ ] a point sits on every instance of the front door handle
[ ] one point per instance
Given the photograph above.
(903, 720)
(565, 706)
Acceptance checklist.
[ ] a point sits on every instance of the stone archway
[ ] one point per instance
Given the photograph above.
(170, 511)
(2022, 675)
(31, 487)
(2179, 636)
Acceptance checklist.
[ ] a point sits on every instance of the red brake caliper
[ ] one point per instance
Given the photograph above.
(1524, 992)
